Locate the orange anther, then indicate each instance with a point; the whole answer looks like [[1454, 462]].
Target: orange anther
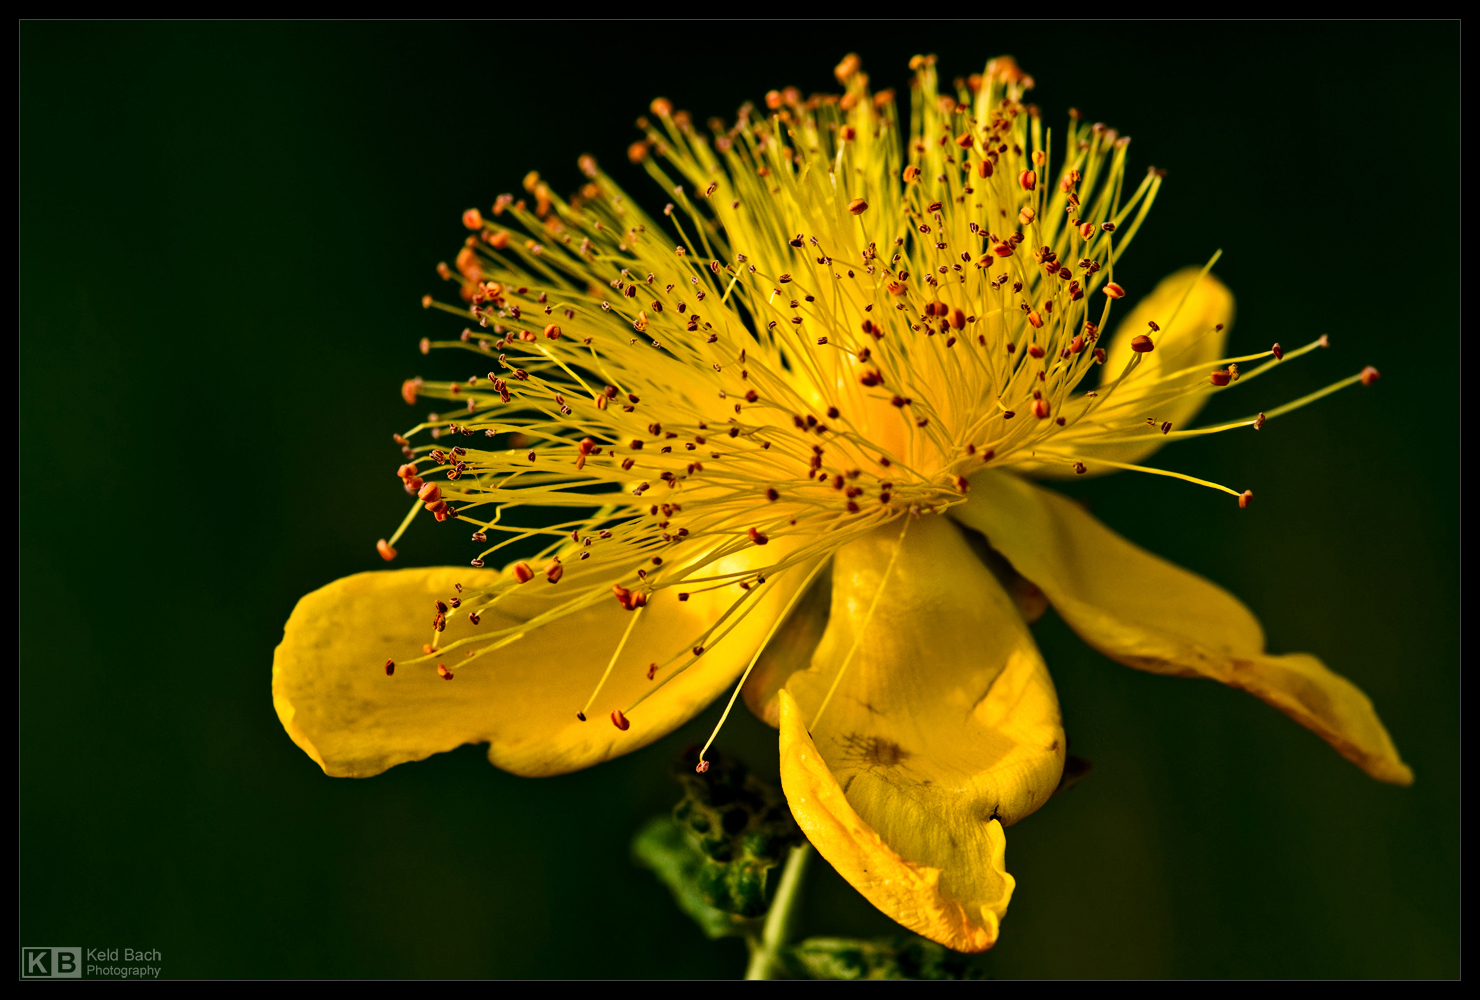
[[522, 572], [1370, 375], [386, 552], [1002, 249], [757, 537], [467, 264], [425, 346], [661, 106], [443, 672], [1087, 230], [1245, 498], [554, 572], [964, 140], [618, 719], [430, 493], [629, 599], [911, 173], [1028, 179], [1142, 344], [473, 219], [1114, 291], [850, 65], [407, 472], [1040, 408], [958, 319], [426, 302], [984, 168], [552, 332], [773, 99], [637, 152], [1220, 377], [1035, 319], [1026, 216], [848, 133], [857, 206]]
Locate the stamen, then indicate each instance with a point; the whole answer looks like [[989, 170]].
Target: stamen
[[616, 653], [759, 649]]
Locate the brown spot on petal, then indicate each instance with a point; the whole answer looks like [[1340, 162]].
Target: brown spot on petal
[[874, 751]]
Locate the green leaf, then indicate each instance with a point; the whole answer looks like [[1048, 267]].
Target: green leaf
[[906, 957]]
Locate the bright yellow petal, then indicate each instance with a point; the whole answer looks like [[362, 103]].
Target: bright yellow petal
[[1143, 611], [336, 702], [943, 728], [1192, 338]]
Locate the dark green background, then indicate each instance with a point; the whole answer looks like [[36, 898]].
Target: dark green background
[[224, 232]]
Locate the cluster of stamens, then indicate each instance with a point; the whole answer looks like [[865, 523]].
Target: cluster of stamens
[[833, 327]]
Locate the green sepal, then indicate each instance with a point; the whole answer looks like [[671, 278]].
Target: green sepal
[[666, 848], [904, 957], [741, 825]]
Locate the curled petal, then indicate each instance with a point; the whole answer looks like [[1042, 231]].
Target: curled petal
[[942, 728], [909, 893], [1141, 610]]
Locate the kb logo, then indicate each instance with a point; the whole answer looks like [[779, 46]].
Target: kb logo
[[51, 963]]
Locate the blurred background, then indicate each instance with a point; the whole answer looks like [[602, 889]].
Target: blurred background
[[225, 231]]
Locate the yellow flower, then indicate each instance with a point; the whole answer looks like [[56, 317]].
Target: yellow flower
[[777, 444]]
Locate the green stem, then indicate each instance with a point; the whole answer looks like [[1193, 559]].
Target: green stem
[[779, 918]]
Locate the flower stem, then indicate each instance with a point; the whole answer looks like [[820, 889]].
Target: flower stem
[[779, 918]]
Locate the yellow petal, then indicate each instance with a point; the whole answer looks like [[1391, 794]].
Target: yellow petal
[[1141, 610], [943, 728], [336, 702], [1192, 338]]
